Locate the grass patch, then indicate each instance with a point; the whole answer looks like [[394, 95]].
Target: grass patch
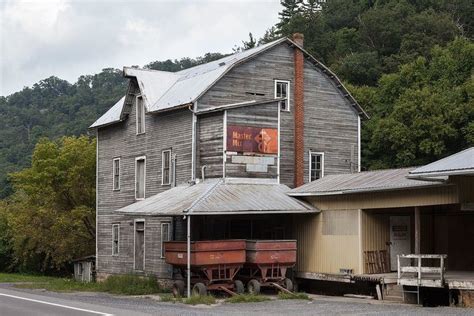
[[20, 277], [170, 298], [247, 298], [116, 284], [130, 285], [294, 296], [197, 299]]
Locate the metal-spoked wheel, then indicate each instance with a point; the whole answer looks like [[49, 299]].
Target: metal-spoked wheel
[[239, 287], [288, 284], [178, 288], [199, 289], [253, 287]]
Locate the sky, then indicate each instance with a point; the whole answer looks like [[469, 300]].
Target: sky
[[69, 38]]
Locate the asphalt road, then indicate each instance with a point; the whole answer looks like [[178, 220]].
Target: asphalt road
[[19, 302]]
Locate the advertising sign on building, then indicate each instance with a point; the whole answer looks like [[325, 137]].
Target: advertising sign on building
[[252, 139]]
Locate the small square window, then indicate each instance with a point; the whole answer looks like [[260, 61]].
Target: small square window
[[282, 90], [316, 166]]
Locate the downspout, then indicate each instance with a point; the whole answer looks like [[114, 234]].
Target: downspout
[[173, 161], [96, 199], [188, 256], [193, 145]]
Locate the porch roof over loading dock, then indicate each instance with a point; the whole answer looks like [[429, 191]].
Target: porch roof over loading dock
[[220, 197]]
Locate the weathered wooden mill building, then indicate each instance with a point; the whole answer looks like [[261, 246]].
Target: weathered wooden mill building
[[221, 143]]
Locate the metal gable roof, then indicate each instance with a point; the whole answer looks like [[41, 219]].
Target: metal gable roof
[[461, 163], [366, 181], [216, 197], [113, 115], [166, 90]]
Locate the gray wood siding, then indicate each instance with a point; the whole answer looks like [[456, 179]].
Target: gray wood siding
[[258, 75], [259, 115], [171, 130], [123, 262], [210, 145], [330, 124]]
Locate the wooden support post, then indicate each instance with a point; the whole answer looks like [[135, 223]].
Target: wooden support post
[[417, 231]]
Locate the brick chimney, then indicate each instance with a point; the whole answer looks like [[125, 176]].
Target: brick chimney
[[298, 107]]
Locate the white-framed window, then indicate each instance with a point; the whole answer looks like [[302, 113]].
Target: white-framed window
[[316, 165], [165, 236], [166, 167], [116, 174], [282, 90], [115, 239], [140, 115], [140, 177]]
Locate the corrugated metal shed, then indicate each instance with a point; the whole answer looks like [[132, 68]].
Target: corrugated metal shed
[[166, 90], [367, 181], [461, 163], [216, 197]]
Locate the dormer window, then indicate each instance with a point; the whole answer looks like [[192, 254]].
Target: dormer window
[[282, 90], [140, 116]]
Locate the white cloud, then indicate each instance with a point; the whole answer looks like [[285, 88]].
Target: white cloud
[[68, 38]]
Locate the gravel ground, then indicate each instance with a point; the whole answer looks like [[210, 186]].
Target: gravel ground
[[320, 305]]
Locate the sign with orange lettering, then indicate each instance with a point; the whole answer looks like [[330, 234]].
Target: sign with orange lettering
[[252, 139]]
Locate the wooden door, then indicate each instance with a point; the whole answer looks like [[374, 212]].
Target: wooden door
[[400, 238], [139, 246]]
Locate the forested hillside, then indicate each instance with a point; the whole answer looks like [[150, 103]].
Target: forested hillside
[[409, 63]]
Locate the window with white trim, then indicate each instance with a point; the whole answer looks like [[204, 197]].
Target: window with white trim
[[115, 239], [165, 236], [116, 174], [140, 174], [140, 114], [166, 167], [282, 90], [316, 166]]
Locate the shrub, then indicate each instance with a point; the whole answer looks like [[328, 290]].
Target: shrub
[[130, 285]]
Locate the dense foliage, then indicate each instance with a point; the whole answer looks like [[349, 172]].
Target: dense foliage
[[409, 63], [50, 219], [51, 108]]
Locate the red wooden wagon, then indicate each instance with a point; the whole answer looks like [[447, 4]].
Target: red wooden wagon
[[214, 265], [267, 262]]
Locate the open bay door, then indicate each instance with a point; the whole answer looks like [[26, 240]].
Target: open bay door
[[400, 238]]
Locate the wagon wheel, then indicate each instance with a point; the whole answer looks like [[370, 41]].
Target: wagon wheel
[[253, 287], [288, 284], [199, 289], [178, 288], [239, 287]]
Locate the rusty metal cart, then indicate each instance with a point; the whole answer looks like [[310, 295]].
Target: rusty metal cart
[[214, 265], [266, 264]]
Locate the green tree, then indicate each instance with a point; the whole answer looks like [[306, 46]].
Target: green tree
[[52, 210], [432, 108]]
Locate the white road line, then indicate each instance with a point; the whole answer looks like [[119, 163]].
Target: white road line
[[54, 304]]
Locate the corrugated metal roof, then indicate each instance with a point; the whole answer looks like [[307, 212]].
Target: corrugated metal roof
[[367, 181], [111, 116], [215, 197], [166, 90], [457, 164]]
